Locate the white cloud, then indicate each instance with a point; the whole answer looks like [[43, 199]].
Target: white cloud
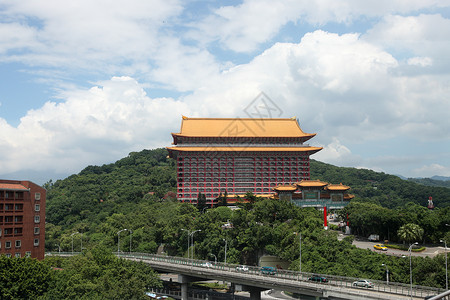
[[84, 34], [431, 170], [243, 27], [417, 36], [101, 124], [420, 61]]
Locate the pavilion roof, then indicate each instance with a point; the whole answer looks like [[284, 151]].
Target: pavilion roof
[[242, 127], [312, 183], [337, 187], [285, 188]]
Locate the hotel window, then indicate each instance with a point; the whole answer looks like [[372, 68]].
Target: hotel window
[[37, 219], [36, 230], [17, 255], [18, 244], [37, 207], [36, 242], [37, 196], [7, 244], [28, 254], [8, 255]]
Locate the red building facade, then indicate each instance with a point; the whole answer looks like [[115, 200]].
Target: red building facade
[[237, 156], [22, 219]]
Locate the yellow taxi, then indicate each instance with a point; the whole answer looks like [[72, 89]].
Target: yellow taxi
[[380, 247]]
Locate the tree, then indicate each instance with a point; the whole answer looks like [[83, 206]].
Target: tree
[[23, 278], [410, 232], [201, 201]]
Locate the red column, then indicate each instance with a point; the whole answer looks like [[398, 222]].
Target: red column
[[325, 216]]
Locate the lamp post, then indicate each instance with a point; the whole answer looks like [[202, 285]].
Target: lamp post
[[226, 244], [300, 255], [118, 240], [215, 258], [192, 234], [188, 239], [410, 267], [387, 273], [446, 270], [131, 235], [72, 239]]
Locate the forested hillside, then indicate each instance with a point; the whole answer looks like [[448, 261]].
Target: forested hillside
[[387, 190], [134, 193]]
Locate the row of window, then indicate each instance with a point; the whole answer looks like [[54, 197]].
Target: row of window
[[16, 231], [257, 164], [18, 244], [17, 207], [230, 158], [17, 195], [17, 254]]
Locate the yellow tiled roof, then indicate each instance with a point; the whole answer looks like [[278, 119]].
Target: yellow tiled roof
[[241, 127], [312, 183], [337, 187], [246, 149], [287, 187]]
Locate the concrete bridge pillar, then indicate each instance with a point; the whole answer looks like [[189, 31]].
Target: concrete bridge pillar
[[255, 293], [184, 291], [184, 281]]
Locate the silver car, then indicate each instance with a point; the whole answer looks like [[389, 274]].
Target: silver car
[[363, 283]]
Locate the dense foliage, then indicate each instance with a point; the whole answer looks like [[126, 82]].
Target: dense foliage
[[135, 193], [96, 274], [386, 190]]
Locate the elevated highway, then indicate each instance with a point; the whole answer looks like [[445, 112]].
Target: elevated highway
[[254, 281]]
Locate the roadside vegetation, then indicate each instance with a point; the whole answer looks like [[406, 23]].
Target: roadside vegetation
[[137, 193]]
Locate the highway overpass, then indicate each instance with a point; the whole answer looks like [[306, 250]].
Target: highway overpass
[[338, 287]]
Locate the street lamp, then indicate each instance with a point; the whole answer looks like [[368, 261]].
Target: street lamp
[[72, 239], [300, 255], [118, 240], [192, 234], [131, 235], [215, 258], [226, 244], [187, 242], [387, 274], [446, 270], [410, 267]]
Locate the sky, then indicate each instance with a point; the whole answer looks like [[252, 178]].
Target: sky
[[87, 82]]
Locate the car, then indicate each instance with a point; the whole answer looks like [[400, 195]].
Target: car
[[380, 247], [363, 283], [268, 271], [207, 265], [318, 278], [242, 268]]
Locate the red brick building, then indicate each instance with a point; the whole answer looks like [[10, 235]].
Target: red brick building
[[22, 219], [237, 155]]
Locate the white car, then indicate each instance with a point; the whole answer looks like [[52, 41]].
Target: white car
[[363, 283], [242, 268], [207, 265]]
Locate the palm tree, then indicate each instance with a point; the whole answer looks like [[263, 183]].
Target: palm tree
[[410, 233]]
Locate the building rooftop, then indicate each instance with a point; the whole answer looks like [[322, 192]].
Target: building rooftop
[[12, 187], [241, 127], [312, 183]]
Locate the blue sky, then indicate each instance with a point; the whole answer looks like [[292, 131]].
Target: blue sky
[[87, 82]]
